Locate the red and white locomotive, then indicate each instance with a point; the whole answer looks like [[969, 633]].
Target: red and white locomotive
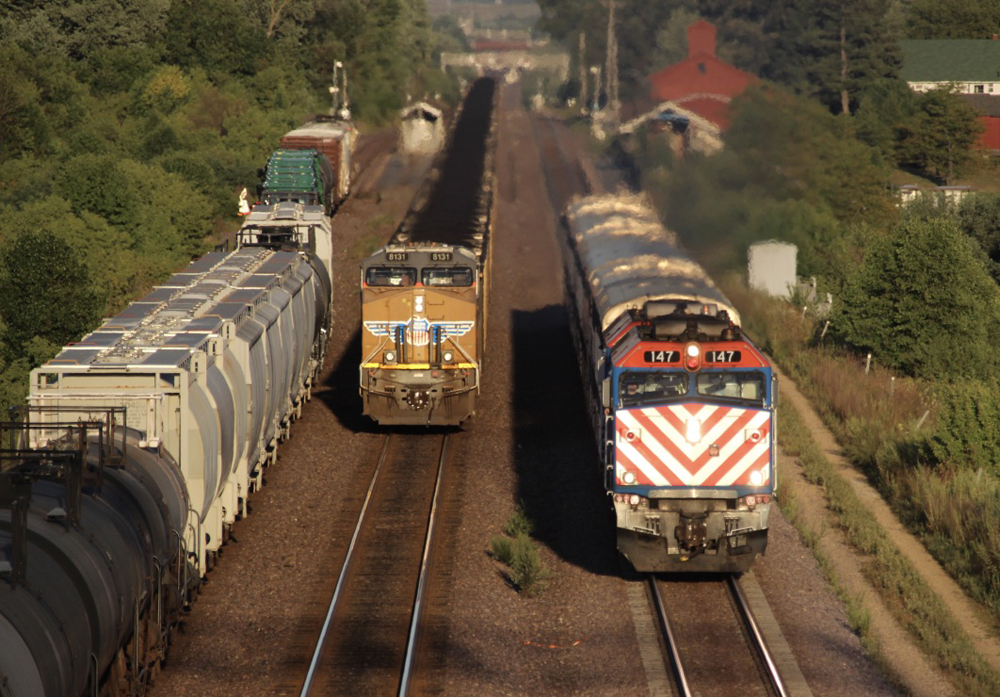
[[681, 402]]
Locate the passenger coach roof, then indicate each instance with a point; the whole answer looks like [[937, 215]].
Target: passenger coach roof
[[629, 258]]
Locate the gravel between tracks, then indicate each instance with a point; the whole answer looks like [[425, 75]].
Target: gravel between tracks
[[531, 443]]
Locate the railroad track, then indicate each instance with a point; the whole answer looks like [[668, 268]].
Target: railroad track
[[370, 639], [709, 650]]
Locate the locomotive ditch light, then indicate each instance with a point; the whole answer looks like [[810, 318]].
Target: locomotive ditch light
[[692, 357], [628, 477], [448, 356], [389, 356], [756, 478]]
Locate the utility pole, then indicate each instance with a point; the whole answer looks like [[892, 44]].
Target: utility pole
[[612, 66], [334, 89]]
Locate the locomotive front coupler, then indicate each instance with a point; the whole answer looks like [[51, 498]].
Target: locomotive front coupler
[[691, 533]]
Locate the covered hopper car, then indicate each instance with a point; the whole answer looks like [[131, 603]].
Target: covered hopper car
[[137, 451], [681, 401], [424, 295]]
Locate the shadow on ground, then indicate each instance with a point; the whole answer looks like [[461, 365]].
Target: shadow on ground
[[555, 457]]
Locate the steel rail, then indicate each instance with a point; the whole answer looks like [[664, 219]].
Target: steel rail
[[314, 664], [411, 642], [757, 637], [676, 665]]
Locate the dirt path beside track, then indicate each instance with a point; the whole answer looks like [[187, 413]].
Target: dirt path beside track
[[902, 656]]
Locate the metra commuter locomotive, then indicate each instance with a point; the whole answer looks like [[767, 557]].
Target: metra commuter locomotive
[[681, 402], [424, 295], [139, 447]]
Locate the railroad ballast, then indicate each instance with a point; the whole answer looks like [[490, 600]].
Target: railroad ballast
[[681, 401]]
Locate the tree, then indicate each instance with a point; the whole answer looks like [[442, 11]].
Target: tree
[[979, 217], [939, 139], [44, 292], [923, 303], [952, 19]]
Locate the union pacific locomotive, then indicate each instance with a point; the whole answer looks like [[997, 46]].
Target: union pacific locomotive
[[682, 403], [424, 295], [139, 447]]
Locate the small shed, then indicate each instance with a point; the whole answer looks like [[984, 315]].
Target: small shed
[[772, 267], [421, 130]]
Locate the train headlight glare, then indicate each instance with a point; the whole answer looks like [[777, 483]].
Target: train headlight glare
[[628, 477], [756, 478], [692, 431], [448, 356], [418, 303], [634, 499], [390, 356], [693, 350]]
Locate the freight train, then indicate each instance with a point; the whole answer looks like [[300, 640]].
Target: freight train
[[681, 402], [139, 447], [424, 295]]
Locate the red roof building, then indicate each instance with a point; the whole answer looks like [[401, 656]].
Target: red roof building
[[701, 83]]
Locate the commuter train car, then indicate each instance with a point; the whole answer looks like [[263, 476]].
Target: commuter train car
[[137, 451], [682, 403], [424, 295]]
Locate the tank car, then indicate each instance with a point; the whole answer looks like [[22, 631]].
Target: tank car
[[140, 445], [681, 401], [424, 295]]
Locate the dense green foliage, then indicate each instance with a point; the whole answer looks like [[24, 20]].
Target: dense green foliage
[[790, 171], [923, 302], [940, 136], [127, 129]]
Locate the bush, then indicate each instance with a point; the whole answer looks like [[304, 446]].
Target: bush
[[967, 435], [518, 551], [916, 293]]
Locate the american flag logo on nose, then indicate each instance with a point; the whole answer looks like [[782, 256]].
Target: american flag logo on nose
[[418, 329], [418, 332]]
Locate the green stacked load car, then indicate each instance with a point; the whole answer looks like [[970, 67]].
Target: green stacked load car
[[302, 176]]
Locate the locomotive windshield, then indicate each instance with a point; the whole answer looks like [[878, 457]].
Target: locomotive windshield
[[453, 276], [650, 387], [743, 386], [390, 276]]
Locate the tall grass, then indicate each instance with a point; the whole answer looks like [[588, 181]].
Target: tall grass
[[886, 425]]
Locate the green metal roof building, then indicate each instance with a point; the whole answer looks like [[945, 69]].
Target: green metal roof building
[[972, 64]]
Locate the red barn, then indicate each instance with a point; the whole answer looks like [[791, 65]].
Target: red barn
[[701, 83], [988, 106]]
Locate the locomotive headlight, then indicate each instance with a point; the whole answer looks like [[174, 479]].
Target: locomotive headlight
[[390, 356], [628, 477], [448, 356], [692, 431], [692, 357], [756, 478], [418, 303]]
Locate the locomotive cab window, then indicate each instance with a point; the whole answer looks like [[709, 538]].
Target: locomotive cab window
[[456, 276], [746, 386], [650, 387], [390, 276]]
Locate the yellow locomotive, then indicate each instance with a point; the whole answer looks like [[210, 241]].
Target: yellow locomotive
[[422, 333], [423, 296]]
